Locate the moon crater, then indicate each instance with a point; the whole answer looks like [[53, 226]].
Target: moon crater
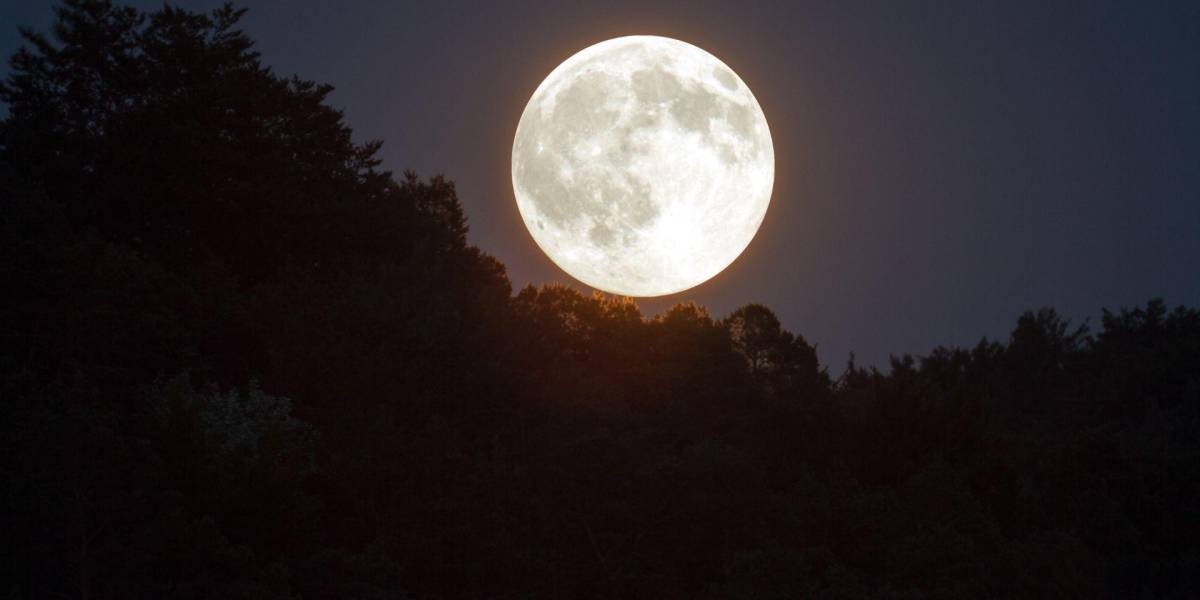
[[642, 166]]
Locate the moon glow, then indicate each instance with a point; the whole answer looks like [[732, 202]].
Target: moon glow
[[643, 166]]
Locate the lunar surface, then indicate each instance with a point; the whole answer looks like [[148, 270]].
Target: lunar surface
[[643, 166]]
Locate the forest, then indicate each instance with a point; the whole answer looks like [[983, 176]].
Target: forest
[[242, 360]]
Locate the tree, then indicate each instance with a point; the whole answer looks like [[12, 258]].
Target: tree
[[169, 145], [164, 132], [1042, 356], [172, 206], [756, 334], [773, 353]]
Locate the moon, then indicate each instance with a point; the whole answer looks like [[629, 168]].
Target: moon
[[643, 166]]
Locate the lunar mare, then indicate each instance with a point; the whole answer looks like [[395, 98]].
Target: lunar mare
[[643, 166]]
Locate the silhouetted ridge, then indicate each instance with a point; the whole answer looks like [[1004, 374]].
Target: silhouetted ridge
[[242, 361]]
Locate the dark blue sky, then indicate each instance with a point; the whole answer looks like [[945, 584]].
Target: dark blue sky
[[940, 166]]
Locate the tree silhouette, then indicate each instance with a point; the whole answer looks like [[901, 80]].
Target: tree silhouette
[[242, 360], [771, 352]]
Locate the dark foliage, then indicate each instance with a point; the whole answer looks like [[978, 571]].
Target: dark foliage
[[241, 361]]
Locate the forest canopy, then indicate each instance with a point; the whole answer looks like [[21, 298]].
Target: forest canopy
[[242, 360]]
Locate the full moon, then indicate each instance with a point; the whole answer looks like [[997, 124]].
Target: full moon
[[643, 166]]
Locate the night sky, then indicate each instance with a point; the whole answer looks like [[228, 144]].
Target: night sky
[[940, 167]]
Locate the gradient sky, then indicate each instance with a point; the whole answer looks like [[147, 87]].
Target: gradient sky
[[941, 167]]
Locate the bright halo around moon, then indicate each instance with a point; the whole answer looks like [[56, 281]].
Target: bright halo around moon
[[643, 166]]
